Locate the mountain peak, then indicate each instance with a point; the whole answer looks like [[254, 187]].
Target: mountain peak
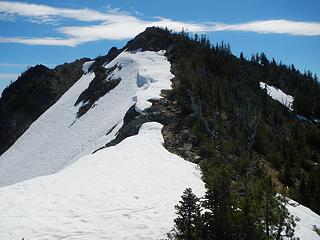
[[113, 149], [152, 39]]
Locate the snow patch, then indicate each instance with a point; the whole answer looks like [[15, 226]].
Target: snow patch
[[278, 95], [307, 220], [86, 66], [127, 191], [151, 71], [303, 119], [58, 138]]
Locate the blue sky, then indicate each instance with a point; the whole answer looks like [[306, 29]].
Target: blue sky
[[53, 32]]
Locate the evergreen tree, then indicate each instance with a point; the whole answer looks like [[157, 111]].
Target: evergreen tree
[[187, 224], [218, 201], [263, 59], [283, 222], [242, 58], [275, 218], [249, 219], [316, 194]]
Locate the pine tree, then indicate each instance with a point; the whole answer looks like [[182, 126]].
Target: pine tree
[[263, 59], [315, 201], [275, 217], [218, 201], [249, 219], [242, 58], [187, 224], [283, 222]]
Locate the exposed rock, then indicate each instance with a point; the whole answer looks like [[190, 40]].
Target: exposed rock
[[101, 84], [168, 112], [101, 60], [98, 87]]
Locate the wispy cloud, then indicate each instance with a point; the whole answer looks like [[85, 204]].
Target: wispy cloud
[[118, 25], [24, 65], [13, 65], [8, 76], [48, 41], [45, 14], [280, 26]]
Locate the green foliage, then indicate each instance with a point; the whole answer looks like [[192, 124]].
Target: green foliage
[[219, 203], [259, 214], [239, 127], [238, 123], [277, 221], [188, 222]]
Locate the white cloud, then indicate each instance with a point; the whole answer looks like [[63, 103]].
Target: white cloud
[[12, 65], [117, 25], [24, 65], [280, 26], [123, 28], [8, 76], [45, 13], [48, 41]]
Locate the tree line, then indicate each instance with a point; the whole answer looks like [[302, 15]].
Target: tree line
[[259, 213]]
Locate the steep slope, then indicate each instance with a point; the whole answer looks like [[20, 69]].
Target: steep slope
[[123, 192], [32, 94], [306, 221], [59, 137]]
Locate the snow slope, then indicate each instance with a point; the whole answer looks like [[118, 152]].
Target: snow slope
[[307, 219], [278, 95], [123, 192], [58, 138]]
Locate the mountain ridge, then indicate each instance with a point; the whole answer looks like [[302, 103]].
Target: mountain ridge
[[216, 115]]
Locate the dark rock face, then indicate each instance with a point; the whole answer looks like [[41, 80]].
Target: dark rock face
[[100, 60], [32, 94], [98, 87], [102, 82], [176, 117], [131, 124]]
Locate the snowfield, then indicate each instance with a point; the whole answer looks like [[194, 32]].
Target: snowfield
[[307, 220], [278, 95], [57, 138], [123, 192]]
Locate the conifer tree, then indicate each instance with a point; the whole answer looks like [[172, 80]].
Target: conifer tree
[[218, 201], [249, 219], [241, 58], [275, 218], [187, 224]]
